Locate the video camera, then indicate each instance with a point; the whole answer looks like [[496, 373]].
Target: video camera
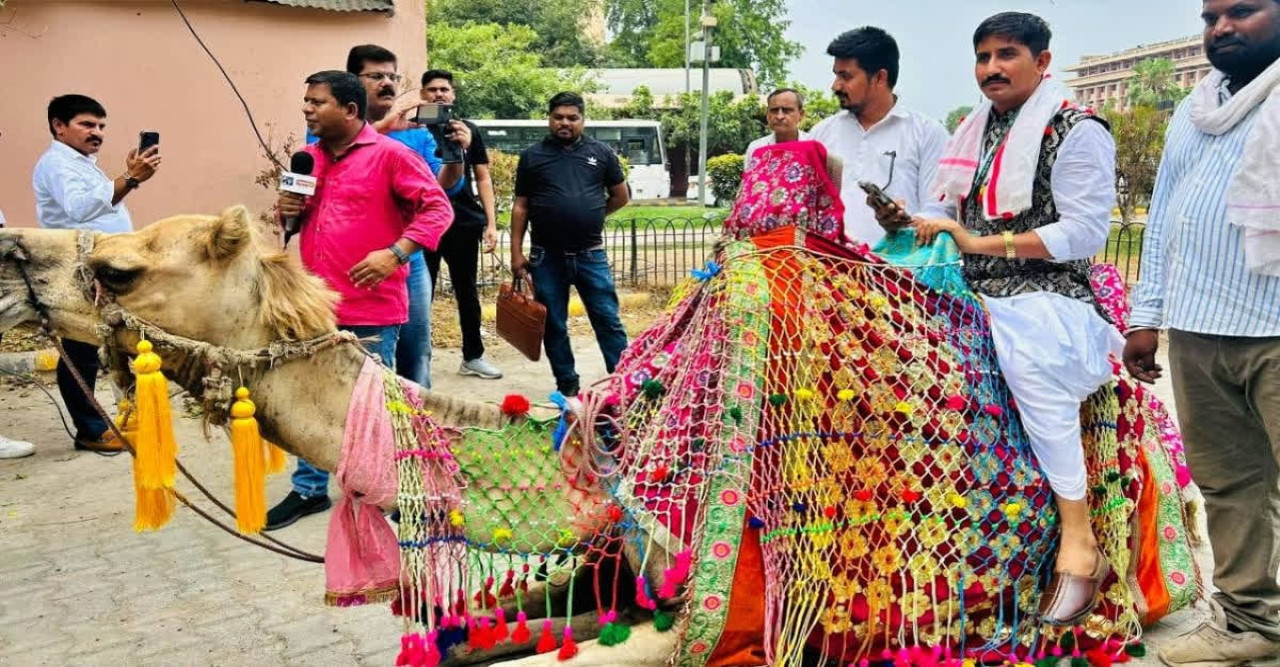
[[436, 118]]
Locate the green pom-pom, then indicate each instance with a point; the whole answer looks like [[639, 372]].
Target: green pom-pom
[[614, 633], [1136, 650], [699, 443], [1047, 662], [735, 413], [1100, 489], [1067, 642], [778, 400], [653, 389], [663, 621], [1113, 476], [1080, 662]]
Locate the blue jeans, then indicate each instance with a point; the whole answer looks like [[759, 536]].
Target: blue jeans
[[413, 351], [553, 273], [308, 480]]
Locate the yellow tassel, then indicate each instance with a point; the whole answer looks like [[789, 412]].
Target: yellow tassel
[[156, 451], [250, 462], [152, 507], [275, 458]]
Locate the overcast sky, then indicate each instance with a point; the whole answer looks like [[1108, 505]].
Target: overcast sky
[[935, 37]]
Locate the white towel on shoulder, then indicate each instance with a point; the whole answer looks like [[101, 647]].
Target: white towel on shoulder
[[1253, 197], [1012, 175]]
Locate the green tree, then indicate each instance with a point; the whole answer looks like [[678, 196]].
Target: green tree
[[501, 74], [1139, 136], [957, 116], [818, 104], [560, 26], [1153, 84], [750, 34]]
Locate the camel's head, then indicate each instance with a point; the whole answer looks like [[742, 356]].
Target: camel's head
[[208, 278]]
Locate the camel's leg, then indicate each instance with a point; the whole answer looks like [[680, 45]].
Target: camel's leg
[[645, 648], [585, 627]]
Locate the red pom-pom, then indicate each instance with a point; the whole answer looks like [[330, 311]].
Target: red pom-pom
[[546, 642], [911, 496], [515, 405], [570, 648], [956, 403], [500, 631], [862, 494], [521, 634]]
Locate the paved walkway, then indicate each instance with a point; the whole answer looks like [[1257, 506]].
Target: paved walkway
[[79, 587]]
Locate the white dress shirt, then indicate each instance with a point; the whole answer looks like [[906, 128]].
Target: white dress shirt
[[72, 192], [916, 139], [1194, 276], [767, 140]]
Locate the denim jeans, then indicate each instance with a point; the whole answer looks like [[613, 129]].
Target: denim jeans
[[308, 480], [413, 351], [89, 425], [553, 273]]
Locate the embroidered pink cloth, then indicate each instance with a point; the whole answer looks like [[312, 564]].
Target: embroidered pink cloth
[[362, 558]]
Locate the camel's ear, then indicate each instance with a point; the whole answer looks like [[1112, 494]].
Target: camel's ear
[[229, 234]]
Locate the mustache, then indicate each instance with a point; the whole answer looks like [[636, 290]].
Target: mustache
[[387, 92], [1226, 41], [995, 78]]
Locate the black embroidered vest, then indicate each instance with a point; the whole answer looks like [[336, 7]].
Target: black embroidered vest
[[1000, 277]]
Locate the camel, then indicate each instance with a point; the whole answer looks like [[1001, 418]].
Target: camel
[[215, 281], [251, 297]]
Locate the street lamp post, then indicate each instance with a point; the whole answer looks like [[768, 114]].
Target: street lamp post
[[708, 23]]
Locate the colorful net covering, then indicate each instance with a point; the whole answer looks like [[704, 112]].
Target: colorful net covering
[[812, 451]]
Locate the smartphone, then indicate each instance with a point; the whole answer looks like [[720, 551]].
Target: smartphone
[[434, 115], [147, 140], [877, 194]]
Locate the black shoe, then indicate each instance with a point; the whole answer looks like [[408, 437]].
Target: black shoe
[[294, 507], [569, 390]]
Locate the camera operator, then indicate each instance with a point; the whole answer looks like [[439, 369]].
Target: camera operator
[[474, 221]]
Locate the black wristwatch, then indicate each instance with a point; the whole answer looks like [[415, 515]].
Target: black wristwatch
[[401, 256], [131, 182]]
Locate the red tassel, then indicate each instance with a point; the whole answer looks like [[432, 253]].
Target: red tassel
[[406, 650], [546, 642], [485, 598], [642, 595], [570, 648], [521, 634], [674, 576], [473, 636], [508, 586], [487, 638], [460, 605], [1098, 658], [500, 631], [431, 655]]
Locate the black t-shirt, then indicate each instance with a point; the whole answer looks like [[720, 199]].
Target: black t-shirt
[[566, 191], [468, 211]]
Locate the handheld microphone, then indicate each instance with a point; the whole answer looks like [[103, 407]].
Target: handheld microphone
[[297, 180]]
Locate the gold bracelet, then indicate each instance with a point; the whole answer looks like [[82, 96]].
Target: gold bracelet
[[1010, 252]]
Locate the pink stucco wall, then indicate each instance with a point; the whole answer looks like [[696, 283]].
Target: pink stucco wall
[[137, 59]]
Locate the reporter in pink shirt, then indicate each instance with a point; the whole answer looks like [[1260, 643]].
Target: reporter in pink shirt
[[376, 203]]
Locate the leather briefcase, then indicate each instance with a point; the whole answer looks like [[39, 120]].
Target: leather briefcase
[[521, 320]]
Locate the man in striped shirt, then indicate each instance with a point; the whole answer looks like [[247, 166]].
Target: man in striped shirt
[[1224, 332]]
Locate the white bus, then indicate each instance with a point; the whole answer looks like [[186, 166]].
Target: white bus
[[640, 141]]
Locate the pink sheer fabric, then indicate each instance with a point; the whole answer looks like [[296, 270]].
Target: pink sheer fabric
[[362, 558]]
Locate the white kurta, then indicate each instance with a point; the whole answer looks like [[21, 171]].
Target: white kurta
[[1052, 349]]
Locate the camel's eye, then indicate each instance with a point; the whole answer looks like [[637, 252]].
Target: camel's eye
[[115, 279]]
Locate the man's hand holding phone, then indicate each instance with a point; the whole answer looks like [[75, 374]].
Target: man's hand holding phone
[[890, 214]]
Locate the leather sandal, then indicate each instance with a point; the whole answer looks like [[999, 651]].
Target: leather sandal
[[1070, 598]]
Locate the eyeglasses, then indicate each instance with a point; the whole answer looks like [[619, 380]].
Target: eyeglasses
[[383, 76]]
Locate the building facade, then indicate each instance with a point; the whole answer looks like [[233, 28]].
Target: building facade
[[1100, 80], [137, 58]]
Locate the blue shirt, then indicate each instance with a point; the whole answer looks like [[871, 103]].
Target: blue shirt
[[1193, 266], [420, 140]]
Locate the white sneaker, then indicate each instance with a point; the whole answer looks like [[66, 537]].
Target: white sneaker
[[480, 368], [15, 449]]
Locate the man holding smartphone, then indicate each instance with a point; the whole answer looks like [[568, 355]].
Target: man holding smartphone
[[474, 222], [72, 192]]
